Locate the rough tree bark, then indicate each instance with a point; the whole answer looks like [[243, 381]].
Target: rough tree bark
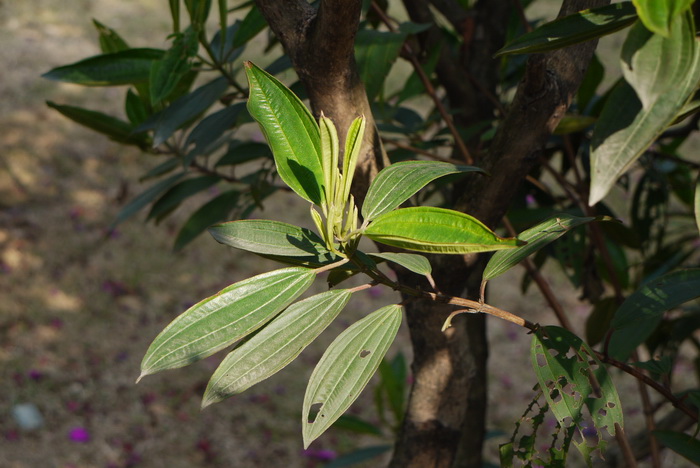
[[444, 423]]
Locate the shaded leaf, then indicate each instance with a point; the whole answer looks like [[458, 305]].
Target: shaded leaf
[[118, 68], [357, 425], [345, 369], [290, 130], [661, 366], [436, 230], [536, 237], [269, 237], [416, 263], [135, 108], [167, 72], [697, 202], [643, 310], [212, 212], [179, 193], [658, 15], [253, 23], [400, 181], [683, 444], [275, 346], [220, 320], [110, 40], [375, 53], [358, 456], [212, 127], [146, 197], [630, 123], [578, 27], [239, 152]]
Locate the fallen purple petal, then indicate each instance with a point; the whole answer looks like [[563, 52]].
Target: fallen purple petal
[[79, 435], [320, 455]]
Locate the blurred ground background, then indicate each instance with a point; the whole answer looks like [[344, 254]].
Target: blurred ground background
[[78, 307]]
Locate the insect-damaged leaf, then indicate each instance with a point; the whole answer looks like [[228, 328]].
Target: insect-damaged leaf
[[220, 320], [345, 369], [436, 230], [276, 345], [573, 379]]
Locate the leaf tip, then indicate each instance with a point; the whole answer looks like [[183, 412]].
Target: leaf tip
[[143, 374]]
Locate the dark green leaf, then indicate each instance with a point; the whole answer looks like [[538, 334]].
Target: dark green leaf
[[641, 313], [685, 445], [397, 183], [435, 230], [290, 130], [167, 72], [179, 193], [589, 85], [697, 202], [578, 27], [275, 346], [136, 110], [212, 127], [163, 168], [357, 425], [110, 40], [146, 197], [239, 152], [416, 263], [658, 15], [226, 52], [376, 52], [345, 369], [358, 456], [220, 320], [212, 212], [598, 322], [253, 23], [661, 366], [118, 68]]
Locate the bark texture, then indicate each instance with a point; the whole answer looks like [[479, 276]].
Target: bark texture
[[444, 423]]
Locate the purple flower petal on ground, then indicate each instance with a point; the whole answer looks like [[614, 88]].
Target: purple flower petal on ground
[[321, 455], [35, 374], [79, 435]]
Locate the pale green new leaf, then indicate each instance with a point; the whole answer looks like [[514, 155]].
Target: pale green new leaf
[[263, 236], [290, 130], [276, 345], [397, 183], [330, 150], [345, 369], [658, 15], [353, 145], [578, 27], [416, 263], [536, 237], [629, 124], [436, 230], [643, 310], [220, 320], [572, 379]]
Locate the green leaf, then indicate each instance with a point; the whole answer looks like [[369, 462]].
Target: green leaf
[[393, 385], [212, 212], [146, 197], [135, 108], [643, 310], [663, 365], [253, 23], [573, 29], [416, 263], [697, 202], [179, 193], [167, 72], [345, 369], [290, 130], [573, 379], [683, 444], [275, 346], [114, 128], [359, 456], [375, 53], [357, 425], [630, 122], [118, 68], [220, 320], [536, 237], [110, 40], [269, 237], [436, 230], [239, 152], [658, 15], [212, 127], [397, 183], [183, 110]]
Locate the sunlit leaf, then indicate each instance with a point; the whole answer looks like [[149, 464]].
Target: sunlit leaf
[[578, 27], [397, 183], [118, 68], [643, 310], [630, 122], [376, 52], [658, 15], [220, 320], [269, 237], [275, 346], [573, 380], [536, 237], [436, 230], [290, 130], [416, 263], [345, 369], [683, 444], [212, 212]]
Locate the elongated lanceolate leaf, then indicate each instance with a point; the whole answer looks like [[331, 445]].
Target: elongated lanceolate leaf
[[213, 211], [290, 130], [658, 15], [630, 122], [118, 68], [222, 319], [572, 379], [110, 40], [268, 237], [641, 313], [436, 230], [167, 72], [275, 346], [400, 181], [697, 202], [179, 193], [147, 196], [578, 27], [375, 53], [345, 369], [683, 444], [536, 237], [416, 263]]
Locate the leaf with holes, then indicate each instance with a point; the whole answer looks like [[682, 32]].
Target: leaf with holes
[[573, 379], [222, 319], [400, 181], [276, 345], [345, 369], [436, 230]]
